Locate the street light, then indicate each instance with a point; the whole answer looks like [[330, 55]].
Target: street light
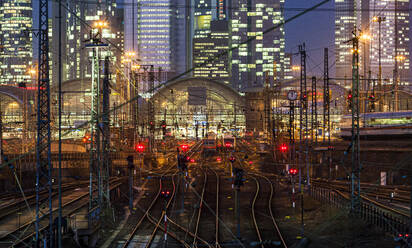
[[100, 24], [379, 20], [400, 58]]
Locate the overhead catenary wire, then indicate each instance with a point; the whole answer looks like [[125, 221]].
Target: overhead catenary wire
[[180, 75]]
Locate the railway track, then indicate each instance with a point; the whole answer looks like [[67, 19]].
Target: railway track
[[259, 196], [149, 214], [21, 203], [269, 208], [20, 235]]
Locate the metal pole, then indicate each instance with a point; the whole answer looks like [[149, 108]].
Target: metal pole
[[1, 136], [356, 166], [304, 149], [43, 150], [106, 162], [314, 112], [59, 227], [237, 206], [131, 167], [380, 88]]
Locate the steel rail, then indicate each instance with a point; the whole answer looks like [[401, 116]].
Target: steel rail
[[253, 212], [194, 243], [131, 235], [271, 212], [149, 242], [72, 211]]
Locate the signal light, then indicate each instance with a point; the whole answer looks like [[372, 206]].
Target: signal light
[[293, 171], [350, 95], [228, 145], [250, 162], [165, 194], [86, 139], [184, 147], [218, 159], [192, 160], [139, 148], [283, 148]]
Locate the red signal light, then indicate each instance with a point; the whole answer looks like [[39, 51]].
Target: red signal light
[[228, 145], [86, 139], [283, 148], [192, 160], [250, 162], [139, 148], [218, 159], [349, 96], [293, 171], [184, 147]]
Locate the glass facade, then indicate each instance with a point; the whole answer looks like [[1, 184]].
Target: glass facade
[[392, 44], [265, 54], [351, 14], [207, 46], [15, 41]]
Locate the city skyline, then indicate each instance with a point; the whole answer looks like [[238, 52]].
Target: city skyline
[[322, 18]]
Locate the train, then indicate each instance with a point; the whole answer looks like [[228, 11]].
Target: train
[[229, 142], [379, 125], [209, 144]]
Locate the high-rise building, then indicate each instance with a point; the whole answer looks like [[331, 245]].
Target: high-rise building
[[15, 41], [156, 31], [207, 45], [394, 36], [252, 61], [347, 19], [288, 73], [362, 16], [76, 58]]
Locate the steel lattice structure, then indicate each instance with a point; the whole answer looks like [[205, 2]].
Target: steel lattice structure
[[355, 142], [314, 112], [303, 118], [43, 152], [326, 108], [106, 162]]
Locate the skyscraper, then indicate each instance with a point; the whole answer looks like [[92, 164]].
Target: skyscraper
[[347, 19], [15, 41], [394, 36], [251, 61], [360, 15], [76, 58], [158, 30], [207, 47]]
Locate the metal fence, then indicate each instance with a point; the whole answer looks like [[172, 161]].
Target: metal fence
[[386, 220]]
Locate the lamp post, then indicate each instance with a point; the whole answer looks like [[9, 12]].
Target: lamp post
[[365, 38], [95, 42], [396, 79], [379, 20], [131, 88]]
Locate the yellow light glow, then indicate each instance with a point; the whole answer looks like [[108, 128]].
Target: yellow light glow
[[295, 68], [135, 67], [365, 37], [100, 24], [130, 54], [400, 58], [375, 19], [32, 71]]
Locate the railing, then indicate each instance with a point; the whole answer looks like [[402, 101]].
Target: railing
[[384, 219]]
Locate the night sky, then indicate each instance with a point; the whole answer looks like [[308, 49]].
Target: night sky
[[316, 29]]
